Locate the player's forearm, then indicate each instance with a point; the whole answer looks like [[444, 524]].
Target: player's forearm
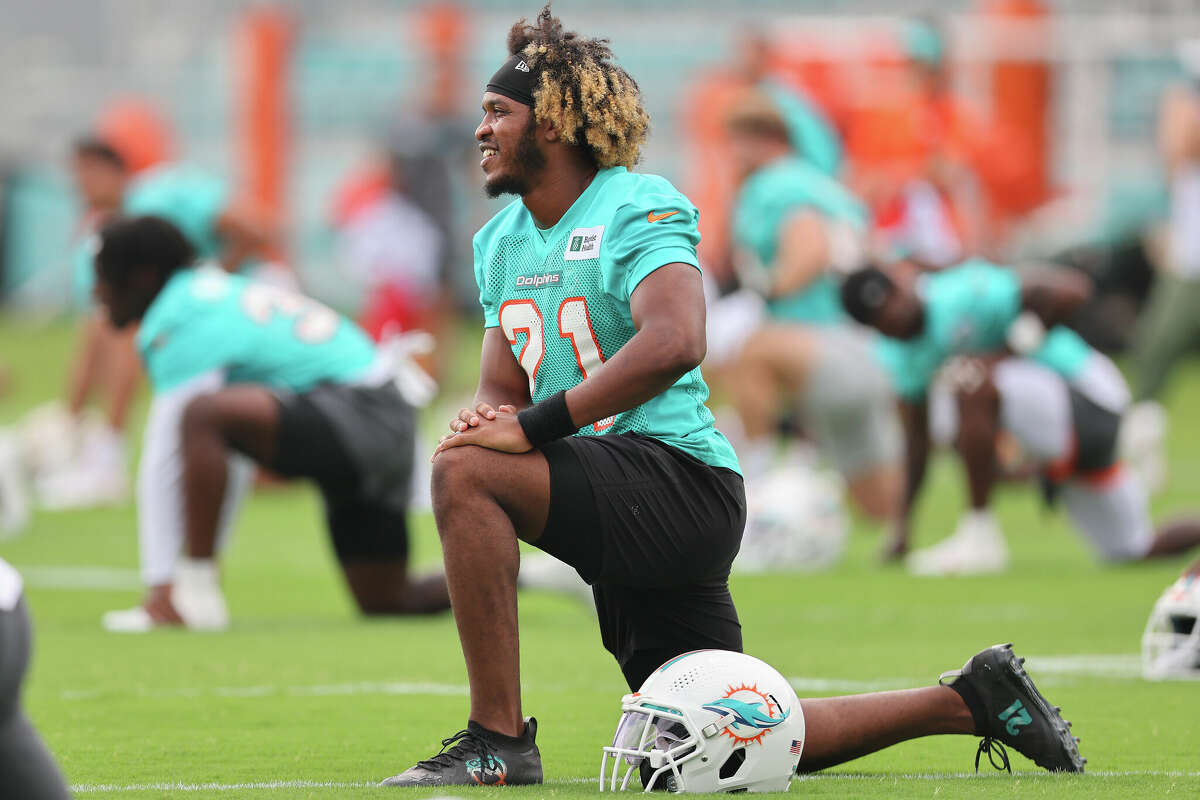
[[499, 394], [803, 255], [243, 237], [649, 364], [916, 457], [1055, 296], [83, 371]]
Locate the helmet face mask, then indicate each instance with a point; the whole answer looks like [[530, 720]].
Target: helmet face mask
[[1171, 643], [707, 721], [648, 735]]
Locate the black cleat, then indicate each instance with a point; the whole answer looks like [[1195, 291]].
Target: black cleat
[[1016, 714], [476, 756]]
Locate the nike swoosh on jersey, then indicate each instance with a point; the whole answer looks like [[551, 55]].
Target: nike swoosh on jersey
[[652, 217]]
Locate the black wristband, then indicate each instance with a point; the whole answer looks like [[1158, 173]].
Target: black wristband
[[547, 421]]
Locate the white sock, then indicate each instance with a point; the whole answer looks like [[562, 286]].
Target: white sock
[[196, 594]]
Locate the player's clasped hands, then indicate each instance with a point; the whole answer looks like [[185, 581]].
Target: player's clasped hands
[[484, 426]]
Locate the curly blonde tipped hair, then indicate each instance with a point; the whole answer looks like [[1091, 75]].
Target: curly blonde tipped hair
[[580, 90]]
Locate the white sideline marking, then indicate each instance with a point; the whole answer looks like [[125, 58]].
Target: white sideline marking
[[805, 684], [1108, 665], [1097, 666], [326, 690], [103, 788], [81, 578], [109, 788], [997, 775], [1124, 666]]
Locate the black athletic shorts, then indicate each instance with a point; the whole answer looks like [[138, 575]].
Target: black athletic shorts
[[356, 443], [654, 531], [1096, 431]]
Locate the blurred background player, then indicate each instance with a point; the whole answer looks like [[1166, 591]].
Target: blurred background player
[[1170, 326], [246, 370], [711, 175], [1067, 433], [27, 770], [794, 228], [982, 309], [125, 167]]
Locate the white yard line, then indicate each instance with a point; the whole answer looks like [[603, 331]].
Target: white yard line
[[111, 788], [806, 684], [938, 776], [1124, 666], [81, 578], [108, 788], [321, 690]]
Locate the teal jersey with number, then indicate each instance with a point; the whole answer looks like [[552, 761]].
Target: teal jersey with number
[[561, 298], [768, 200], [205, 319], [967, 311]]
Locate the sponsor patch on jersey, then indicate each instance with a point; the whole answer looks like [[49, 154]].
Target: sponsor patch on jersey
[[538, 280], [584, 243]]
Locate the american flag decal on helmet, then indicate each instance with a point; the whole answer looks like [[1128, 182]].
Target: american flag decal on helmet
[[797, 746]]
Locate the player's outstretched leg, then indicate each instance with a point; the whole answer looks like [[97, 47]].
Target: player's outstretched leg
[[991, 697]]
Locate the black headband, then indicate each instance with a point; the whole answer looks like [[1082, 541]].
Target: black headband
[[514, 80]]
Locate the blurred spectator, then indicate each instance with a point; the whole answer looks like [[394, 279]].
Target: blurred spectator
[[392, 248], [937, 175], [402, 220]]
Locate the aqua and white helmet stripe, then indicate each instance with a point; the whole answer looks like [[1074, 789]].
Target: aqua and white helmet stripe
[[707, 721]]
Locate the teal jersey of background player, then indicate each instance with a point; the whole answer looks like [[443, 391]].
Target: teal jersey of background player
[[188, 198], [768, 199], [205, 319], [968, 309], [562, 296]]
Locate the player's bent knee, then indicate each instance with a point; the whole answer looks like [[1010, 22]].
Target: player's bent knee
[[459, 470], [202, 415]]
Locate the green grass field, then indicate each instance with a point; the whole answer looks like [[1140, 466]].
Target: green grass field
[[304, 699]]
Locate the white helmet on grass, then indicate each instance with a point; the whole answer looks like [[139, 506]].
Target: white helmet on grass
[[707, 721], [1171, 643]]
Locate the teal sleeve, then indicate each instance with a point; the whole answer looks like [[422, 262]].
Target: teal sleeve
[[910, 374], [491, 313], [988, 295], [656, 230]]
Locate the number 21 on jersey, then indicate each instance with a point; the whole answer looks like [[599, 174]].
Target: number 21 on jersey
[[574, 323]]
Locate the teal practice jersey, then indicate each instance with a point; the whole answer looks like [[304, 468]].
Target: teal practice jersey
[[562, 298], [188, 198], [968, 309], [768, 199], [205, 319]]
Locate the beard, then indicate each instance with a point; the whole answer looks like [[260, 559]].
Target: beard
[[527, 162]]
